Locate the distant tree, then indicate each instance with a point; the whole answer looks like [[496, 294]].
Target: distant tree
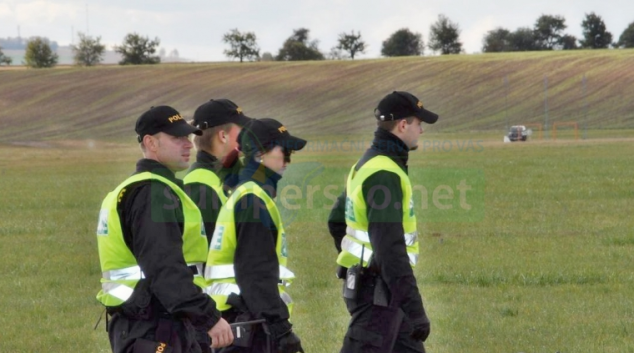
[[174, 54], [523, 39], [595, 34], [626, 40], [162, 53], [266, 56], [569, 42], [548, 31], [403, 43], [444, 36], [25, 41], [496, 40], [39, 54], [336, 54], [89, 51], [351, 43], [5, 59], [242, 45], [297, 47], [137, 50]]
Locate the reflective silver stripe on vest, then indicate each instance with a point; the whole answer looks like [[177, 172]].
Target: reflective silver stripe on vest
[[286, 298], [410, 238], [117, 290], [222, 289], [219, 272], [228, 288], [133, 272], [355, 248], [286, 274], [226, 271]]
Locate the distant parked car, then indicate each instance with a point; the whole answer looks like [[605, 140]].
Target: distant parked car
[[518, 133]]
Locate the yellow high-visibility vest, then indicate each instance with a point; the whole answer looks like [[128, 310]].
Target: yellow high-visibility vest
[[209, 178], [357, 239], [119, 267], [219, 270]]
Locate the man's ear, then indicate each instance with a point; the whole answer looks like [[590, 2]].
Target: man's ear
[[223, 136], [150, 142], [402, 123]]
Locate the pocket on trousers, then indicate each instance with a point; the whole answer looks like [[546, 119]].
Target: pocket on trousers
[[146, 346], [365, 337], [382, 319]]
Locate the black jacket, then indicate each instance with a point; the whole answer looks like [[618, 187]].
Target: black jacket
[[385, 227], [256, 264], [204, 196], [152, 224]]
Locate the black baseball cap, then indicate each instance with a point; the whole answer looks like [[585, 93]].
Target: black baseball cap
[[163, 119], [400, 105], [219, 112], [259, 135]]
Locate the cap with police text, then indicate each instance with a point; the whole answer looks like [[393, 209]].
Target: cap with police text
[[263, 134], [219, 112], [400, 105], [163, 119]]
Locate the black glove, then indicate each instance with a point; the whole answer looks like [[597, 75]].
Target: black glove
[[238, 304], [420, 329], [289, 343]]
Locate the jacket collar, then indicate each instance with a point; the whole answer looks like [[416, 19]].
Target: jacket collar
[[155, 167], [387, 144], [265, 178], [206, 160]]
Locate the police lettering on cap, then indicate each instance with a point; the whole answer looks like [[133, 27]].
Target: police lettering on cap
[[219, 112], [165, 119], [400, 105], [260, 135]]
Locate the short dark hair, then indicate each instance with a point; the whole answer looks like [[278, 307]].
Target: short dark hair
[[204, 141], [391, 124]]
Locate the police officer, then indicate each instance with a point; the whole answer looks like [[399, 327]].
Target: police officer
[[247, 264], [211, 176], [152, 247], [374, 229]]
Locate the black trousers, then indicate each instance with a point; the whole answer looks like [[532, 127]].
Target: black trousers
[[154, 335], [377, 329]]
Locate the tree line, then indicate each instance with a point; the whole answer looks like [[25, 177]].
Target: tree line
[[444, 38], [548, 34]]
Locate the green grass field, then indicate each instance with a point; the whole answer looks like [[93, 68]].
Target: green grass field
[[541, 263]]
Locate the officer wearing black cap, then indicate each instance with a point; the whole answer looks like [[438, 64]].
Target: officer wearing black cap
[[247, 267], [215, 171], [152, 248], [374, 229]]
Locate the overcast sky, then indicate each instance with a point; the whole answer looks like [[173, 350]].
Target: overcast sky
[[195, 27]]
